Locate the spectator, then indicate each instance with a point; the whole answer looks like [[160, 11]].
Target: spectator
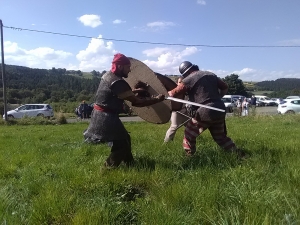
[[253, 101], [239, 106], [245, 105], [83, 110]]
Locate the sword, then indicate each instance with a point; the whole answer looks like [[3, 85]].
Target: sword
[[194, 103]]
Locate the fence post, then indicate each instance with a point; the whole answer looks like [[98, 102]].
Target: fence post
[[3, 72]]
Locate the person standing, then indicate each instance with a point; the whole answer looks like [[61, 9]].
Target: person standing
[[239, 106], [205, 88], [178, 118], [245, 107], [105, 125], [253, 101], [83, 109], [80, 111]]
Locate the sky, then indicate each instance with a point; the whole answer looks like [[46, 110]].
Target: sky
[[221, 36]]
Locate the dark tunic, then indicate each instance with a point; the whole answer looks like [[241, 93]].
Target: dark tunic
[[105, 126], [203, 89]]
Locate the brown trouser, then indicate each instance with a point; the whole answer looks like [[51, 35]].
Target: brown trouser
[[217, 130], [120, 151]]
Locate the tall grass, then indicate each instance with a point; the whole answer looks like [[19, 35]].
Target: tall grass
[[48, 175]]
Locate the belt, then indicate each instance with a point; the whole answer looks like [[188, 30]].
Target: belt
[[99, 108]]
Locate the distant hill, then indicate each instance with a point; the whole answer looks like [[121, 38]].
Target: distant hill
[[280, 88], [281, 84], [28, 85]]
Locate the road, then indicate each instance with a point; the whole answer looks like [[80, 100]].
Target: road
[[265, 110]]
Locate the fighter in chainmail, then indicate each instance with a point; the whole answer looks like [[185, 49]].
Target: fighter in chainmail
[[105, 125], [207, 89]]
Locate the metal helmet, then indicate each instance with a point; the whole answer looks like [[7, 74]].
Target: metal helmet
[[185, 66]]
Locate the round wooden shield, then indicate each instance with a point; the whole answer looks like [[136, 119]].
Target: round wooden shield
[[158, 113]]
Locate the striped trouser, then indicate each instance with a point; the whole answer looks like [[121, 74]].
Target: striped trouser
[[217, 130]]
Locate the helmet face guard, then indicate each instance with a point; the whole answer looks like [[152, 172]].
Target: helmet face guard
[[185, 67]]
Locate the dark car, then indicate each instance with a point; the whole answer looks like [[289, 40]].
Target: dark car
[[259, 103]]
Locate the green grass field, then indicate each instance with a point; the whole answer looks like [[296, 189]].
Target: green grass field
[[262, 92], [48, 175]]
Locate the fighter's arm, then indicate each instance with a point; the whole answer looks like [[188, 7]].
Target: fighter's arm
[[180, 89], [123, 91], [139, 102], [223, 87]]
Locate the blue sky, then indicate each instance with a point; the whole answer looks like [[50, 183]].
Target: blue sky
[[188, 23]]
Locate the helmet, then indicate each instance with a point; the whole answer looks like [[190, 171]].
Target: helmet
[[185, 66]]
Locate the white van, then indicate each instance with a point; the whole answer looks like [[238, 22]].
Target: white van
[[266, 100], [292, 97]]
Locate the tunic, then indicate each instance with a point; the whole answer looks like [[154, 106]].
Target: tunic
[[203, 89], [105, 126]]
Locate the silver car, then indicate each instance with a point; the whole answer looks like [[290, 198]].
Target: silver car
[[291, 106], [31, 110]]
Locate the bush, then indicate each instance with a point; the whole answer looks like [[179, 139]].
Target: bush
[[61, 119]]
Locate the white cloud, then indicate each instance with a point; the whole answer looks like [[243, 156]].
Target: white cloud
[[249, 74], [201, 2], [154, 52], [167, 59], [290, 42], [245, 71], [155, 26], [90, 20], [158, 26], [97, 56], [99, 53], [118, 21], [42, 57]]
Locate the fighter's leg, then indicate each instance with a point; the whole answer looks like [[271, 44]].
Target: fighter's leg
[[120, 151], [192, 130], [128, 157], [176, 120], [218, 132]]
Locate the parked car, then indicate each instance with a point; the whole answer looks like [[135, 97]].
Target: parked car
[[229, 103], [292, 97], [31, 110], [266, 100], [277, 100], [289, 106], [259, 103]]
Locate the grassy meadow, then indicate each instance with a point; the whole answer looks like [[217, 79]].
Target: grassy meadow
[[48, 175]]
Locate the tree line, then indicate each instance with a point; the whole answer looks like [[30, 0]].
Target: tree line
[[27, 85], [60, 87], [281, 88]]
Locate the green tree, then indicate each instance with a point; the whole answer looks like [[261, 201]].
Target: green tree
[[95, 73], [79, 73], [236, 86]]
